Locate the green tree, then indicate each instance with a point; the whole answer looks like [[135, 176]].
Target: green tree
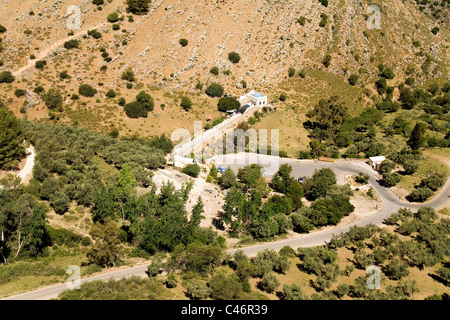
[[214, 90], [214, 70], [6, 77], [417, 137], [228, 179], [397, 269], [183, 42], [53, 99], [293, 292], [124, 190], [197, 289], [11, 138], [269, 282], [192, 170], [225, 287], [186, 103], [138, 7], [128, 75], [106, 250], [323, 181], [234, 57], [227, 103], [87, 90]]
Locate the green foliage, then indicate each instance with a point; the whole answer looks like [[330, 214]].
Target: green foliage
[[291, 71], [138, 7], [417, 138], [128, 75], [353, 79], [70, 44], [22, 224], [228, 179], [183, 42], [87, 90], [192, 170], [11, 139], [301, 20], [293, 292], [53, 99], [197, 289], [225, 287], [234, 57], [214, 70], [6, 77], [214, 90], [20, 93], [269, 282], [106, 250], [227, 103], [326, 61], [186, 103], [144, 103], [134, 288], [40, 64], [391, 179], [113, 17], [2, 29]]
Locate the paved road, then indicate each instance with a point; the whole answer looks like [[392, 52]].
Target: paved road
[[391, 203]]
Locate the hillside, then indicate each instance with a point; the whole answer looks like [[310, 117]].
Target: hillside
[[266, 34]]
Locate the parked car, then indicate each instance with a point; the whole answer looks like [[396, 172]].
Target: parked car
[[300, 179]]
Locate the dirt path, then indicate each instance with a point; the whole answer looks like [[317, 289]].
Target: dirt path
[[27, 172], [47, 50]]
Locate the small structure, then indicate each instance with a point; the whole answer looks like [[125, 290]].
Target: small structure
[[375, 162], [243, 108], [221, 169], [253, 98]]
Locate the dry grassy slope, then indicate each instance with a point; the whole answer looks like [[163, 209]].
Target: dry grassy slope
[[251, 27], [261, 31]]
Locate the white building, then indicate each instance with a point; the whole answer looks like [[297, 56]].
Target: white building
[[254, 98], [375, 162]]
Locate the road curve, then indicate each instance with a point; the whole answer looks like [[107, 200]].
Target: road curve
[[391, 203]]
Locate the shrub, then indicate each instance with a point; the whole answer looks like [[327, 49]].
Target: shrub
[[214, 90], [40, 64], [6, 77], [53, 99], [94, 33], [301, 20], [98, 2], [71, 44], [121, 102], [19, 93], [64, 75], [391, 179], [113, 17], [116, 26], [291, 72], [353, 79], [38, 89], [186, 103], [192, 170], [227, 103], [2, 29], [183, 42], [283, 97], [87, 90], [327, 60], [128, 75], [214, 71], [435, 30], [111, 94], [420, 194], [234, 57], [138, 7]]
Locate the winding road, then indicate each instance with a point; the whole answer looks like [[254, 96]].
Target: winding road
[[391, 203]]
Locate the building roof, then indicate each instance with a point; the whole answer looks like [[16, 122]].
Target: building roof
[[257, 95], [377, 158]]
